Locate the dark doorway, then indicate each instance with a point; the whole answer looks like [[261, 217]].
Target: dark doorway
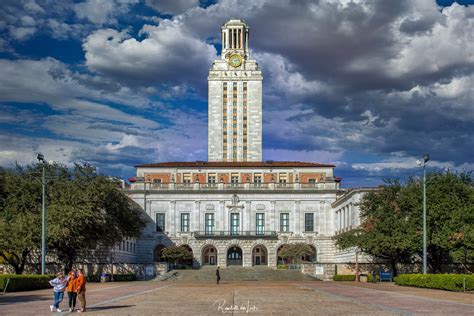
[[234, 256]]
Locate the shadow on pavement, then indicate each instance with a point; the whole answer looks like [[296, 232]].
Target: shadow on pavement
[[6, 299], [100, 308]]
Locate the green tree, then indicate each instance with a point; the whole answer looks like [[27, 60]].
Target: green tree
[[88, 211], [295, 252], [387, 231], [450, 217], [176, 254], [20, 207], [85, 211]]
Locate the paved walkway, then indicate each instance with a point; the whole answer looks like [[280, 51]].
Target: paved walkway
[[258, 298]]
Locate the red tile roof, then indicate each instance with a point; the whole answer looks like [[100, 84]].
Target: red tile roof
[[239, 164]]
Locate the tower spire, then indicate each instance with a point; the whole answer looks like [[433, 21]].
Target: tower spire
[[235, 38]]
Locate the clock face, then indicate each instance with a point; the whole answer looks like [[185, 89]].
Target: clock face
[[235, 60]]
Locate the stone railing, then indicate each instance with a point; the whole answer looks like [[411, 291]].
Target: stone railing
[[148, 186], [236, 234]]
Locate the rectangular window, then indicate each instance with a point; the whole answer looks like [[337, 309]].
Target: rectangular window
[[311, 180], [184, 222], [234, 179], [308, 222], [186, 178], [285, 222], [211, 178], [282, 178], [257, 179], [160, 222], [234, 223], [209, 223], [260, 222]]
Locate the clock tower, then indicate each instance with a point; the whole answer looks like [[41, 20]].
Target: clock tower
[[235, 99]]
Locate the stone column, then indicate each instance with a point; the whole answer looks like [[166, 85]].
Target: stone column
[[297, 217], [241, 39], [173, 217], [248, 212], [273, 220], [221, 218], [197, 217]]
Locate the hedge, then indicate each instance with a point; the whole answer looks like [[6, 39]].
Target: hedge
[[125, 277], [449, 282], [344, 277], [27, 282]]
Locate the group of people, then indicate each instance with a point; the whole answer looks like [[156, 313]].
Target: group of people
[[75, 285]]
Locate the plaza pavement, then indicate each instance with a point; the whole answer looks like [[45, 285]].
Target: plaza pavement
[[258, 298]]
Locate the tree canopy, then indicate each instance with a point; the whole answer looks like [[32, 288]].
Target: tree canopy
[[85, 210], [391, 221], [295, 252]]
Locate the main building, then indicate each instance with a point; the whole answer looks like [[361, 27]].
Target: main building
[[236, 209]]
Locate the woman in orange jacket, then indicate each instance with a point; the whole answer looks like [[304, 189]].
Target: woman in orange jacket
[[72, 290], [81, 289]]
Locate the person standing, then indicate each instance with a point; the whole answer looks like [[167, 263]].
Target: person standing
[[81, 290], [218, 275], [59, 284], [72, 290]]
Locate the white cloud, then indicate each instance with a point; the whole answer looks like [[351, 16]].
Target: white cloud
[[21, 33], [102, 12], [166, 56], [401, 162], [172, 6]]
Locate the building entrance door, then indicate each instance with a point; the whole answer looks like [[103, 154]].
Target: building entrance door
[[234, 256], [257, 260]]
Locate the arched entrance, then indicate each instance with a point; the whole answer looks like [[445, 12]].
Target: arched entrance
[[157, 256], [259, 255], [234, 256], [209, 255]]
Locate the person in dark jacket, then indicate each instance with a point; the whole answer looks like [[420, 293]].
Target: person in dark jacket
[[218, 275]]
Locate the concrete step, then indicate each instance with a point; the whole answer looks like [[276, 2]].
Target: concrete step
[[242, 274]]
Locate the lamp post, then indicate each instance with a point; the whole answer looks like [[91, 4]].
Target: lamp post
[[426, 158], [40, 158]]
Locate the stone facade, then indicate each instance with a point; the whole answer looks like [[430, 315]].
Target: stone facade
[[236, 209], [235, 99]]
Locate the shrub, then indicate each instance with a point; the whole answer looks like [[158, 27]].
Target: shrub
[[282, 266], [93, 278], [125, 277], [371, 279], [344, 277], [449, 282], [27, 282]]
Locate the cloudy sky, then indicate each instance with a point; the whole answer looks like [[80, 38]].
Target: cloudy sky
[[367, 85]]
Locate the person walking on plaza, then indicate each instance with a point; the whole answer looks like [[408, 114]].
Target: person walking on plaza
[[72, 290], [218, 275], [81, 290], [59, 284]]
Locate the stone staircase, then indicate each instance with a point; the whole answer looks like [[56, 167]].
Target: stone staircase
[[236, 274]]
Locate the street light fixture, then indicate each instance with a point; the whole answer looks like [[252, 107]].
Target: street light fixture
[[423, 163], [40, 158]]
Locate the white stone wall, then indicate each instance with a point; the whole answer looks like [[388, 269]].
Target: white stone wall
[[215, 140], [248, 72], [172, 204]]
